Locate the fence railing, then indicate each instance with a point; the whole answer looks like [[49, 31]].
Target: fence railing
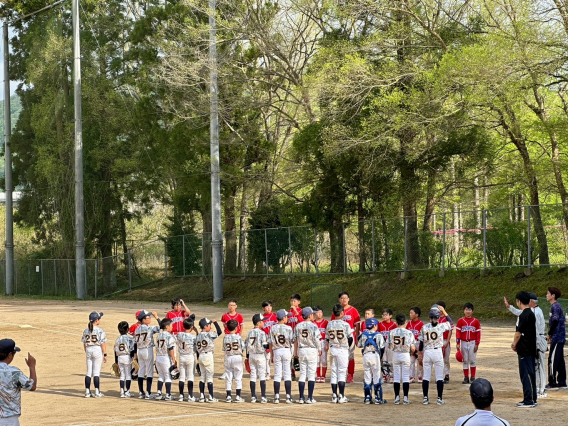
[[493, 238]]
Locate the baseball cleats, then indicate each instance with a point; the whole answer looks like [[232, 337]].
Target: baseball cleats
[[211, 399], [440, 401], [405, 401], [350, 378], [88, 394], [253, 400], [411, 379], [420, 380], [342, 400], [277, 400], [150, 396], [99, 394], [168, 397], [201, 398], [191, 399], [542, 395], [263, 400], [289, 399], [334, 399], [523, 405], [127, 394], [238, 399], [425, 401], [472, 379], [180, 399], [465, 381], [141, 395], [397, 400], [380, 401], [159, 396], [229, 399], [301, 401], [310, 401], [367, 400], [122, 394], [446, 379]]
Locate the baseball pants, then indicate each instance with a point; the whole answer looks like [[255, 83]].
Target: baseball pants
[[446, 354], [267, 368], [163, 365], [186, 368], [234, 369], [257, 364], [207, 367], [308, 364], [371, 368], [339, 361], [541, 377], [322, 359], [401, 366], [125, 367], [94, 360], [416, 370], [146, 362], [433, 358], [282, 359], [10, 421], [469, 356]]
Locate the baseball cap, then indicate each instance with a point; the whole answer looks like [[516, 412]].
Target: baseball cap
[[256, 319], [282, 313], [371, 322], [204, 322], [138, 313], [143, 314], [533, 296], [93, 316], [307, 311], [481, 389], [7, 346], [434, 312]]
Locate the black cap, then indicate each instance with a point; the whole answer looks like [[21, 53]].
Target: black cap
[[7, 346], [256, 319], [143, 314], [481, 391], [533, 296], [204, 322]]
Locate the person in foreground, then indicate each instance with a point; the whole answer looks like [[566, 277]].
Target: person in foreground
[[481, 393], [12, 381]]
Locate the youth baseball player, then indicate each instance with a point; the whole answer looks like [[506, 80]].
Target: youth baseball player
[[402, 344], [124, 351], [144, 337], [268, 319], [256, 344], [94, 343], [372, 344], [281, 340], [431, 343], [205, 344], [340, 337], [321, 323], [350, 316], [385, 327], [447, 348], [165, 358], [233, 347], [415, 325], [308, 336], [186, 347], [468, 336]]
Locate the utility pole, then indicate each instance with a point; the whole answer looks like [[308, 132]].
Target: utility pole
[[217, 236], [8, 169], [79, 202]]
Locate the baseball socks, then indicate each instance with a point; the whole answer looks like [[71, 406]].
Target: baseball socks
[[141, 384], [350, 371], [473, 369], [425, 386], [341, 386], [440, 386], [149, 385], [288, 387], [263, 388], [311, 387], [210, 389], [253, 389], [168, 388], [334, 388], [87, 385], [396, 389], [202, 390], [405, 389], [302, 387]]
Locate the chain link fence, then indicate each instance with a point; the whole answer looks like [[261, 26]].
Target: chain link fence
[[493, 238]]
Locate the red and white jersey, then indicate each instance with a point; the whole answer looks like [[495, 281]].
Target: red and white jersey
[[386, 327], [296, 319], [322, 325], [446, 333], [350, 316], [269, 320], [468, 329], [415, 327], [177, 320], [133, 328], [237, 317]]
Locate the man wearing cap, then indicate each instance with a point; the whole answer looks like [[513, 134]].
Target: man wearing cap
[[12, 381], [481, 393], [541, 342]]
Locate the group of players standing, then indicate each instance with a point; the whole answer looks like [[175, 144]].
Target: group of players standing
[[297, 339]]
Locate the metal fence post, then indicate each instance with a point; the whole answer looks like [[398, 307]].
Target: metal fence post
[[290, 251], [316, 251], [55, 276], [183, 252], [444, 242], [529, 254], [484, 239], [130, 269], [69, 274], [344, 250], [266, 250], [405, 244], [41, 267], [373, 243]]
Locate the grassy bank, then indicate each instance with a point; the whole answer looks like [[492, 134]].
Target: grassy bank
[[376, 291]]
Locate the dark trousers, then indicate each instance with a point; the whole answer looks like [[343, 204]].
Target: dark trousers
[[528, 378], [556, 365]]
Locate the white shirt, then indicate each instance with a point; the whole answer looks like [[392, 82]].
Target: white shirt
[[481, 418]]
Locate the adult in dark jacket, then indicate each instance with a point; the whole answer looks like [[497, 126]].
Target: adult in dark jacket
[[557, 338]]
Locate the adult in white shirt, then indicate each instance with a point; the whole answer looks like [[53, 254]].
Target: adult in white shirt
[[481, 393], [541, 343]]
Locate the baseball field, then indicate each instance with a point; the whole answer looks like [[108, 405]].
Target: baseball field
[[51, 331]]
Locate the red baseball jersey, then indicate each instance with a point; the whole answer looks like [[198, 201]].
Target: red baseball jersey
[[237, 317], [296, 318], [133, 328], [415, 327], [269, 320], [350, 316], [322, 325], [177, 320], [468, 329], [386, 327], [446, 333]]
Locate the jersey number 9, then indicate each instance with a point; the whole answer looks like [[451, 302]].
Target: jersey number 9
[[201, 344]]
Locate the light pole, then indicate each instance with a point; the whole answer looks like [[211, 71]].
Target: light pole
[[9, 244]]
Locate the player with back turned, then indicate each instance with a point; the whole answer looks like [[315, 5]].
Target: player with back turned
[[415, 325], [308, 336], [256, 344], [281, 340], [401, 342], [340, 337], [350, 316]]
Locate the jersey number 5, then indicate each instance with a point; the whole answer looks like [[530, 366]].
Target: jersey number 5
[[340, 334], [399, 340]]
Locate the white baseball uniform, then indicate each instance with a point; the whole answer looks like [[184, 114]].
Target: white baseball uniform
[[94, 353]]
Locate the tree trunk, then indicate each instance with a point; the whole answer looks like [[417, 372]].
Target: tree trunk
[[242, 227], [230, 233], [430, 201], [336, 246], [409, 185], [361, 233]]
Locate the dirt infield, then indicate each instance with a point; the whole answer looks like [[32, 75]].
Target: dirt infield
[[54, 338]]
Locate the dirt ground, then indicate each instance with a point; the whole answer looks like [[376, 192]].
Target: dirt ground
[[54, 339]]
